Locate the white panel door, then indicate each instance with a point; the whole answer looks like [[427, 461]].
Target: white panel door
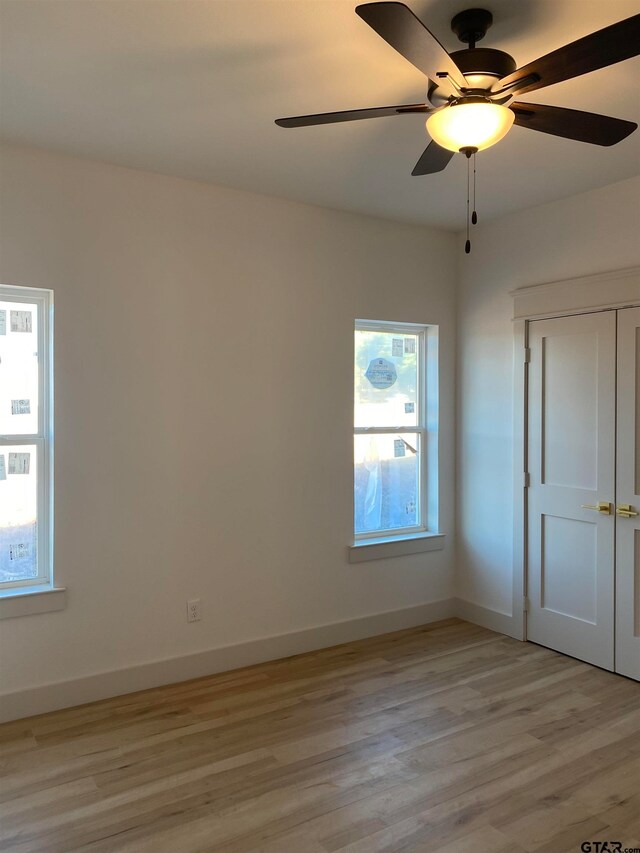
[[628, 496], [571, 441]]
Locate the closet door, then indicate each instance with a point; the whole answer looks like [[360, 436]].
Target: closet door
[[628, 496], [571, 441]]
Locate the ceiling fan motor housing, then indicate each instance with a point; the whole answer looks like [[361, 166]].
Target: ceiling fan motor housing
[[481, 66], [485, 61]]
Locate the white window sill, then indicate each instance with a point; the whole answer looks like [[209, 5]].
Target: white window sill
[[30, 600], [380, 547]]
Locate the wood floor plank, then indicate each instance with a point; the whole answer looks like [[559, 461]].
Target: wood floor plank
[[484, 840], [442, 739]]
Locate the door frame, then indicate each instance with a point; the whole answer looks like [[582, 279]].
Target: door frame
[[606, 291]]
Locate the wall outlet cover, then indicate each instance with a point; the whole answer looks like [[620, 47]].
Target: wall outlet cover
[[194, 610]]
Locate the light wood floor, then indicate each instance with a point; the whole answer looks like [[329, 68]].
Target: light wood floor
[[445, 738]]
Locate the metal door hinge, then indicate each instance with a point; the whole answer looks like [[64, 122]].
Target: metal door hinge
[[526, 479], [527, 355], [526, 604]]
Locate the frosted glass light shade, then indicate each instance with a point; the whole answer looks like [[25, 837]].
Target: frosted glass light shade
[[470, 125]]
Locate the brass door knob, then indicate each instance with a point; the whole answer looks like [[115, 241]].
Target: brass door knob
[[626, 511], [602, 506]]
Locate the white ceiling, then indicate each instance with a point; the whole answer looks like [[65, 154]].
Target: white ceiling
[[191, 88]]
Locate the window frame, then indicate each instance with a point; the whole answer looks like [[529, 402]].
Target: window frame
[[426, 428], [42, 440]]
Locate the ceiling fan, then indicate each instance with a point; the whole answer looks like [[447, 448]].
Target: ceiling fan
[[468, 89]]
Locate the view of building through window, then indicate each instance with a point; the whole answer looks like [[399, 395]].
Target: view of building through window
[[23, 438], [389, 428]]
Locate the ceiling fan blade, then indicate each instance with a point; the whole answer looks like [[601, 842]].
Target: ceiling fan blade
[[400, 28], [434, 159], [352, 115], [598, 50], [572, 124]]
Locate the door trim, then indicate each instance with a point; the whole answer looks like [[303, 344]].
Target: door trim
[[582, 295], [600, 292]]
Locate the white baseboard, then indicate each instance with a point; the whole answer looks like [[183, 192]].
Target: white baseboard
[[78, 691], [502, 623]]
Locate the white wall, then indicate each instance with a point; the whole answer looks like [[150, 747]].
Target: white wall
[[590, 233], [204, 409]]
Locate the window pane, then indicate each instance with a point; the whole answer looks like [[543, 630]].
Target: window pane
[[387, 489], [18, 509], [386, 379], [18, 368]]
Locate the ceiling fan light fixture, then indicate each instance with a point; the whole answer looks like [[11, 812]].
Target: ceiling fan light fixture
[[470, 124]]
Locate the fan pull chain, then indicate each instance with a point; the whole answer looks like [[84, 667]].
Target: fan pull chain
[[474, 215], [467, 245]]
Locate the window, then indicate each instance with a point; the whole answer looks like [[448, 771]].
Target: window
[[395, 429], [25, 437]]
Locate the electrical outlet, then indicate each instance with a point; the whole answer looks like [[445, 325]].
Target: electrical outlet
[[194, 610]]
